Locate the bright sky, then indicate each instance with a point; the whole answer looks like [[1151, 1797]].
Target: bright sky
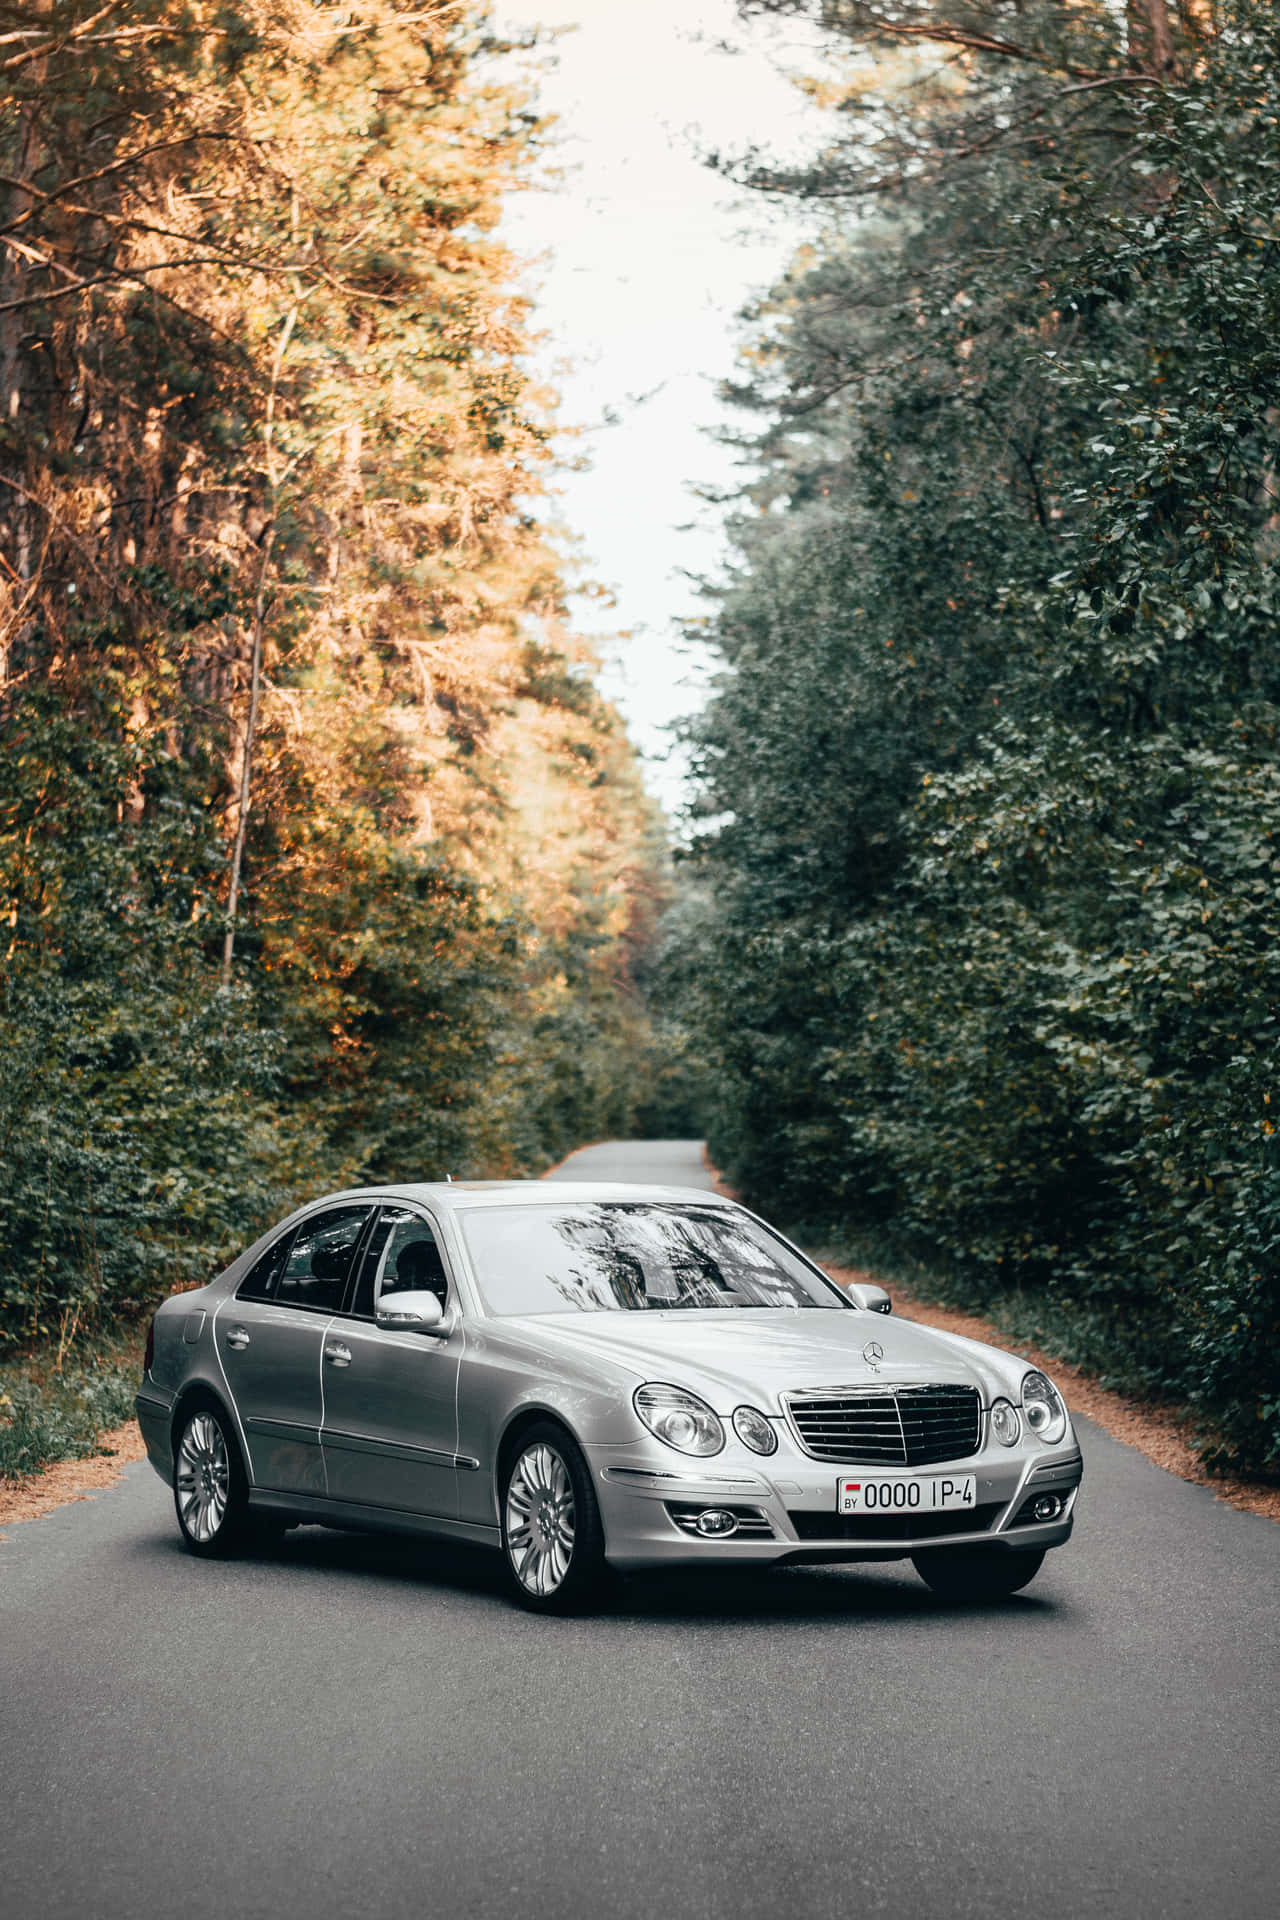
[[645, 257]]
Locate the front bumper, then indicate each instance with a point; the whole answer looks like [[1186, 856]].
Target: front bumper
[[786, 1507]]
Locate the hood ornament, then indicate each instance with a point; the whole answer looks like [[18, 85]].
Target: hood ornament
[[873, 1353]]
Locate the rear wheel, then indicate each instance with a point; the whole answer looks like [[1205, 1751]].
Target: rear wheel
[[210, 1487], [976, 1573], [551, 1533]]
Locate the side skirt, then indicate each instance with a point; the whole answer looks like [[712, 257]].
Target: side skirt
[[310, 1508]]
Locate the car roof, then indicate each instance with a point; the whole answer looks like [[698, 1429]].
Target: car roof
[[461, 1196]]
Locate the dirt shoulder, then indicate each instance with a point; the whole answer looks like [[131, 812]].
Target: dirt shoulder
[[55, 1486]]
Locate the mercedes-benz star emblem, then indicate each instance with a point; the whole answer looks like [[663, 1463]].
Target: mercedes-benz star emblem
[[872, 1352]]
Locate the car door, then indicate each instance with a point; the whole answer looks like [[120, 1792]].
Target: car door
[[390, 1398], [270, 1341]]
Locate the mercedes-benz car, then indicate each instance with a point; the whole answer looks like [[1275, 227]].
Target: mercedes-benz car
[[594, 1377]]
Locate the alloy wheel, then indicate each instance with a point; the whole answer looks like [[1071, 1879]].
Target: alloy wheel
[[540, 1518], [203, 1478]]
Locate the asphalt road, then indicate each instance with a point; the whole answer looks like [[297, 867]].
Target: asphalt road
[[347, 1727]]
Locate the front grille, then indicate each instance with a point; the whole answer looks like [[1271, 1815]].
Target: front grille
[[898, 1427], [813, 1525]]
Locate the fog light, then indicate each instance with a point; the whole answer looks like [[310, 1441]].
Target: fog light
[[1048, 1506], [715, 1523]]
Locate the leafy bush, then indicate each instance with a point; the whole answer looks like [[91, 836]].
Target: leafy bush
[[50, 1413]]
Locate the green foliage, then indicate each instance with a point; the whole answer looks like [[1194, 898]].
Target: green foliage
[[58, 1408], [134, 1097], [987, 963]]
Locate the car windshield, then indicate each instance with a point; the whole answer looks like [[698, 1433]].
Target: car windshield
[[603, 1256]]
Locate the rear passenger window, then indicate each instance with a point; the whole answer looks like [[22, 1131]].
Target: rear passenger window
[[315, 1274], [260, 1281]]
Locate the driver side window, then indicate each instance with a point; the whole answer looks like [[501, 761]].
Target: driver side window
[[402, 1257]]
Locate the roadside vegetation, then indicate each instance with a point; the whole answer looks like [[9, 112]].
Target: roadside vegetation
[[322, 860], [984, 962], [56, 1404]]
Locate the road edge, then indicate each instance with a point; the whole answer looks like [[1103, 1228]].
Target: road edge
[[64, 1481], [1155, 1431]]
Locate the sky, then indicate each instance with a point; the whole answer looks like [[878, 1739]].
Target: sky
[[641, 259]]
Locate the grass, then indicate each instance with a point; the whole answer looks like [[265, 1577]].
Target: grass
[[56, 1405]]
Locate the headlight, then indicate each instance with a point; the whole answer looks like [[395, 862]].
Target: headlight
[[754, 1430], [1005, 1424], [1043, 1408], [678, 1418]]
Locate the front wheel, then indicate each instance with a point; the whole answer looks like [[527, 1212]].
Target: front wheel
[[210, 1488], [976, 1573], [551, 1533]]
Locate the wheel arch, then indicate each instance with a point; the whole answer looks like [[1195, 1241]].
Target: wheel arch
[[199, 1393], [521, 1422]]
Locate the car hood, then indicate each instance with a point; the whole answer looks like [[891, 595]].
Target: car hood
[[729, 1355]]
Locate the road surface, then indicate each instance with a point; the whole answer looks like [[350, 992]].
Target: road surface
[[357, 1727]]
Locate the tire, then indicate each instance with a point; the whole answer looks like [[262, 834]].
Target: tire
[[552, 1538], [976, 1573], [210, 1487]]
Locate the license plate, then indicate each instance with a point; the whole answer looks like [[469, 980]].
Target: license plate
[[923, 1493]]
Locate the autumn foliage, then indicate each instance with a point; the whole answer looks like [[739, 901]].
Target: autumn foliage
[[323, 860]]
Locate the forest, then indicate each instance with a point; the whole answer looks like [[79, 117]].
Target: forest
[[981, 942], [322, 859]]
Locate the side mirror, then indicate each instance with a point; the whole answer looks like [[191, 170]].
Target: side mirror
[[874, 1299], [410, 1312]]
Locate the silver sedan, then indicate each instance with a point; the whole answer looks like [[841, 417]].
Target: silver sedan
[[589, 1377]]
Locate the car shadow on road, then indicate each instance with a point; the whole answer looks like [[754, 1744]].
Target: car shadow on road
[[799, 1593], [888, 1591]]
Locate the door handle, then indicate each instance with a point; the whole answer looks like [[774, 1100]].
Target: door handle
[[238, 1337], [338, 1356]]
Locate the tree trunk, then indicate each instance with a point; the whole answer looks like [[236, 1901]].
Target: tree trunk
[[15, 507], [1150, 36], [246, 763]]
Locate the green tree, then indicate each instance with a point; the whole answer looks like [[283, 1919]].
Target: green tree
[[990, 778]]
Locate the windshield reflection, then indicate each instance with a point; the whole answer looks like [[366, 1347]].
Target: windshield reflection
[[612, 1256]]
